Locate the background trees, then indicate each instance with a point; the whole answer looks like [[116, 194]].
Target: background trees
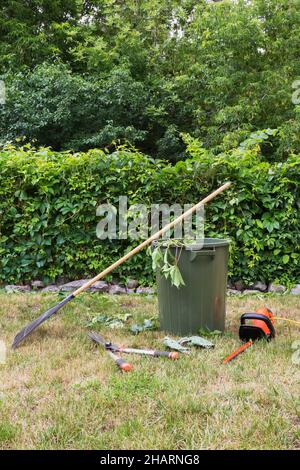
[[84, 73]]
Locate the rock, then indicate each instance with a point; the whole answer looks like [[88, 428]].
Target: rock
[[50, 288], [115, 289], [296, 290], [130, 291], [37, 284], [239, 285], [251, 291], [261, 286], [233, 292], [99, 286], [132, 284], [277, 288], [13, 288], [73, 285], [144, 290]]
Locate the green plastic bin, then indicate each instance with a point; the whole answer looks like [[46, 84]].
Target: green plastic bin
[[200, 304]]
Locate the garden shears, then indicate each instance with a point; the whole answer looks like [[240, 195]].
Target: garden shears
[[112, 349]]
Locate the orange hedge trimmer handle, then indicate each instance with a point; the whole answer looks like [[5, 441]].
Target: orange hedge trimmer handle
[[238, 351]]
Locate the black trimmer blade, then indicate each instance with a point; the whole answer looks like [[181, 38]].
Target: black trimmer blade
[[34, 324], [97, 338]]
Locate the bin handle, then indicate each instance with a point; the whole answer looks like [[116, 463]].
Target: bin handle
[[195, 253]]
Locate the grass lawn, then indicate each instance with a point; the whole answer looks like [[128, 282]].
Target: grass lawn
[[58, 391]]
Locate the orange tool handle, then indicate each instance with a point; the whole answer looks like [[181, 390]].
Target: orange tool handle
[[238, 351], [122, 365], [171, 355]]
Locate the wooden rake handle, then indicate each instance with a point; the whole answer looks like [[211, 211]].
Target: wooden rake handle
[[152, 238]]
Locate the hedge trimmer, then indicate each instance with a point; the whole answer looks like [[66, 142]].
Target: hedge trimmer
[[34, 324], [255, 326], [114, 348]]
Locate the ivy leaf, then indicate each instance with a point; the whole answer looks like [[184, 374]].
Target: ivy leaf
[[285, 259]]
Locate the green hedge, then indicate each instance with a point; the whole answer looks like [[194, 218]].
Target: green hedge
[[48, 210]]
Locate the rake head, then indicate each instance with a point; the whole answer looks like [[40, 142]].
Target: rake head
[[34, 324]]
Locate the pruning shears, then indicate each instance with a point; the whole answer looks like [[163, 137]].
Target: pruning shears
[[112, 349]]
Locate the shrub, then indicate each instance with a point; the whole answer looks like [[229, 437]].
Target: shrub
[[48, 209], [56, 107]]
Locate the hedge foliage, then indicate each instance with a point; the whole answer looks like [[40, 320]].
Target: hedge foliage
[[48, 206]]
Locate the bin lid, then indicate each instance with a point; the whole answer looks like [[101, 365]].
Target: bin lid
[[202, 243], [208, 243]]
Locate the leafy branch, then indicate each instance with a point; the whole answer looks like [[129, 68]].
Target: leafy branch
[[164, 261]]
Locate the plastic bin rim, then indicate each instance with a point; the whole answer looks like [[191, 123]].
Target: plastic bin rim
[[205, 243]]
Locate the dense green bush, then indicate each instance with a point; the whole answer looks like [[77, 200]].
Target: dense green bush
[[48, 209], [80, 74], [51, 105]]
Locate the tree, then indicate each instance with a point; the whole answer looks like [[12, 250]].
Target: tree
[[56, 107], [149, 70]]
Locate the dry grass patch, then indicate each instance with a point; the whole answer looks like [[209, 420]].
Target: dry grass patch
[[58, 391]]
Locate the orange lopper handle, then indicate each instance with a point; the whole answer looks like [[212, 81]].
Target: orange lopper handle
[[173, 355], [123, 365]]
